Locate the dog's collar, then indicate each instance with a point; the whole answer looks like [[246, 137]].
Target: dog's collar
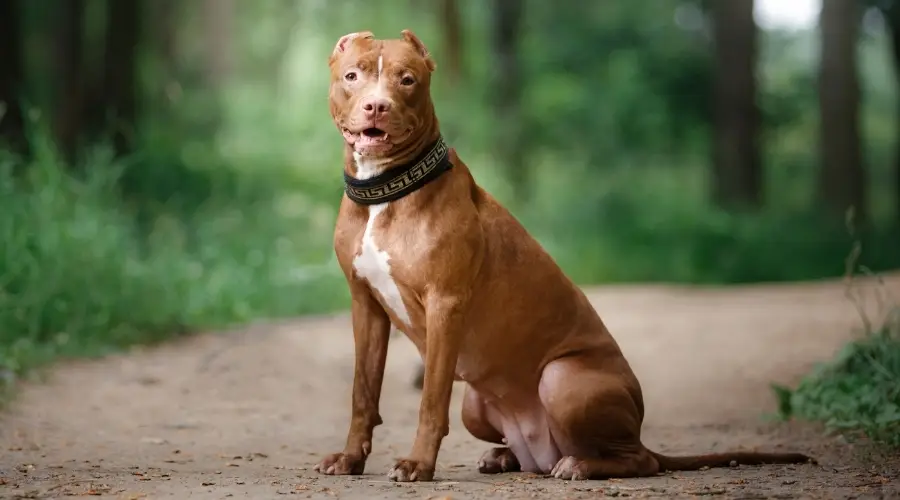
[[400, 181]]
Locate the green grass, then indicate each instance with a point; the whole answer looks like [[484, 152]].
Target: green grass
[[85, 269], [857, 392]]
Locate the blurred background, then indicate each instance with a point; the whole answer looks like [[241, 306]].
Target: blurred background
[[171, 165]]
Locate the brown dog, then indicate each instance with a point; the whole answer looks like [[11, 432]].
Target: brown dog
[[427, 250]]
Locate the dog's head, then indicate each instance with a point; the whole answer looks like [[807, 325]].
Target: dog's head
[[380, 94]]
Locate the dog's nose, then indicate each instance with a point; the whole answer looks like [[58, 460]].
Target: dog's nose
[[376, 106]]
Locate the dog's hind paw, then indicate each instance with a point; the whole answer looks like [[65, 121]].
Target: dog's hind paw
[[570, 468], [498, 460]]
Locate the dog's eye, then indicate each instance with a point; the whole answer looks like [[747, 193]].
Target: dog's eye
[[406, 81], [350, 76]]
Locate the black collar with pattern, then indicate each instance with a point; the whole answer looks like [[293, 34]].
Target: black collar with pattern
[[400, 181]]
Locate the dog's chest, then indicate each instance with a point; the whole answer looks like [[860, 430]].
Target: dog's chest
[[378, 251], [373, 264]]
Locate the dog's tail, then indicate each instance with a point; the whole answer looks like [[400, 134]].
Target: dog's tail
[[728, 459]]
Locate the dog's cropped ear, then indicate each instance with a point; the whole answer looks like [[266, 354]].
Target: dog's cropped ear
[[411, 37], [347, 39]]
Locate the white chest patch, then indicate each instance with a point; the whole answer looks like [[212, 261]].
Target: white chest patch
[[373, 263]]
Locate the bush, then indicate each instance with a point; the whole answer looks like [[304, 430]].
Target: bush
[[858, 392], [82, 271]]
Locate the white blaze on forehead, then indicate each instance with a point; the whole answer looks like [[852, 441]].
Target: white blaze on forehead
[[373, 263], [381, 85]]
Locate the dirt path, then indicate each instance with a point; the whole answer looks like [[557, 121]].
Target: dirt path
[[247, 414]]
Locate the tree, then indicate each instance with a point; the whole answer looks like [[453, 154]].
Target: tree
[[69, 51], [737, 179], [842, 179], [12, 76], [507, 87], [452, 30], [891, 12], [163, 45], [120, 71], [218, 18]]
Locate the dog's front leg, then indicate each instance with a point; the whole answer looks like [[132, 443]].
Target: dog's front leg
[[444, 318], [371, 331]]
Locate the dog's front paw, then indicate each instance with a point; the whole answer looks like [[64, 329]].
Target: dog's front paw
[[341, 464], [406, 470], [570, 468]]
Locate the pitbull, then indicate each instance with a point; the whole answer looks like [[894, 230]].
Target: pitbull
[[425, 249]]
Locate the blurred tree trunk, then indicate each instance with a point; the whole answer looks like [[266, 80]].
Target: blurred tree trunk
[[12, 76], [452, 28], [120, 70], [891, 11], [507, 87], [842, 181], [163, 31], [737, 168], [70, 92], [218, 18], [218, 58]]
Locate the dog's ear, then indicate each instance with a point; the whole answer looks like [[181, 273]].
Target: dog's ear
[[347, 39], [411, 37]]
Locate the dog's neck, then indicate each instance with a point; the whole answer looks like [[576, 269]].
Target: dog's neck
[[399, 181]]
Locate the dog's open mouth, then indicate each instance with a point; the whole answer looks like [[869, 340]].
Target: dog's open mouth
[[374, 133], [372, 138]]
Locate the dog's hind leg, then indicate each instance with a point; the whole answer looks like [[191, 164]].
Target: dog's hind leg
[[595, 410], [484, 424]]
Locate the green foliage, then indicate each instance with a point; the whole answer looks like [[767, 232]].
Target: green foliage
[[858, 391], [643, 223], [625, 57], [80, 274]]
